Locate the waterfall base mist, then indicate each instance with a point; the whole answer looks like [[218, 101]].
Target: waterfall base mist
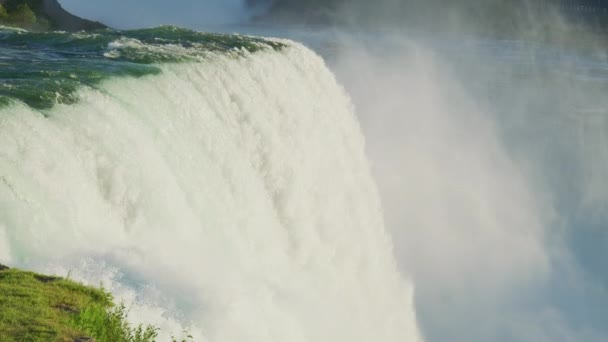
[[488, 191]]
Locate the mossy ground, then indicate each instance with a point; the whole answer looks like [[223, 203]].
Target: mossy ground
[[35, 307]]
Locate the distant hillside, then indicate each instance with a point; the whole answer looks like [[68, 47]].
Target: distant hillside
[[43, 15], [581, 23], [486, 15]]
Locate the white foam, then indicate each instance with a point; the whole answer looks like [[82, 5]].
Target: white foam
[[231, 198]]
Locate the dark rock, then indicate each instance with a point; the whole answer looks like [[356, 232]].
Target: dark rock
[[67, 308], [84, 339], [3, 268], [46, 279]]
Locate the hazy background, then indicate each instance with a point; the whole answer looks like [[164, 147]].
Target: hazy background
[[487, 129], [135, 14]]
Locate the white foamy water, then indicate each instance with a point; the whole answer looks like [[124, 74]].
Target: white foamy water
[[231, 198]]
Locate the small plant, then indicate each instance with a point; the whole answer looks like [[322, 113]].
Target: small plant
[[23, 15], [188, 338]]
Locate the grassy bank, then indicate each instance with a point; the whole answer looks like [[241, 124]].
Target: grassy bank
[[35, 307]]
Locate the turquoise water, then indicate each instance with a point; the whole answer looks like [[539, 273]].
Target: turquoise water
[[43, 69]]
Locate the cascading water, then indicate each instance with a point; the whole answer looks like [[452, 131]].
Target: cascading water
[[227, 194]]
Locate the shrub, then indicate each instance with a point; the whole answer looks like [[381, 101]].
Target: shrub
[[23, 15], [3, 14], [112, 325]]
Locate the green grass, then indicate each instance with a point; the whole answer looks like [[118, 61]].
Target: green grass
[[35, 307]]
